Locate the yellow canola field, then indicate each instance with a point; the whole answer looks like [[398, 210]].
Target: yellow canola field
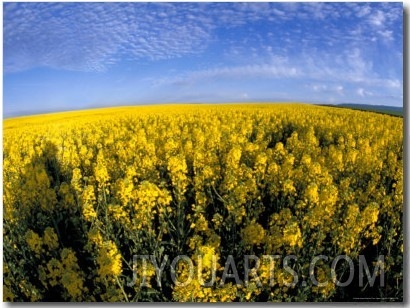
[[85, 191]]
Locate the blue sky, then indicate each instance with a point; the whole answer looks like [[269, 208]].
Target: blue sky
[[59, 56]]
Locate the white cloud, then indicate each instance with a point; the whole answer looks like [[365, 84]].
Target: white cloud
[[394, 83], [319, 87], [324, 73], [278, 70], [85, 36], [363, 93], [363, 11], [325, 88], [94, 36], [244, 95], [377, 18], [386, 34]]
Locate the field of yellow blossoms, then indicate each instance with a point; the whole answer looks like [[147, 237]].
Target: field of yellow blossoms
[[87, 191]]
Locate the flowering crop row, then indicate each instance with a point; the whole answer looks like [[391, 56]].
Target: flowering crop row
[[86, 191]]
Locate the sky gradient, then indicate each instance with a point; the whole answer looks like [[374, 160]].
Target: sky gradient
[[67, 56]]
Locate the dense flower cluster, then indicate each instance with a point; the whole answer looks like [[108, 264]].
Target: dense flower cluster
[[86, 191]]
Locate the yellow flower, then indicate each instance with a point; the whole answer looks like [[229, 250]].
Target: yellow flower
[[88, 199], [178, 169], [253, 234], [311, 193], [322, 179], [100, 171], [50, 238], [288, 187], [292, 235], [94, 236], [201, 223], [71, 277], [217, 220], [34, 241], [371, 213], [118, 212], [208, 256], [109, 260], [234, 157]]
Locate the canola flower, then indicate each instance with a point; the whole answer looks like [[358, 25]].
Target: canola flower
[[85, 191]]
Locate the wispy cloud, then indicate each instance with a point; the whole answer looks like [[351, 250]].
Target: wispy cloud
[[92, 36], [377, 19], [332, 50], [363, 93], [237, 72], [325, 72]]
